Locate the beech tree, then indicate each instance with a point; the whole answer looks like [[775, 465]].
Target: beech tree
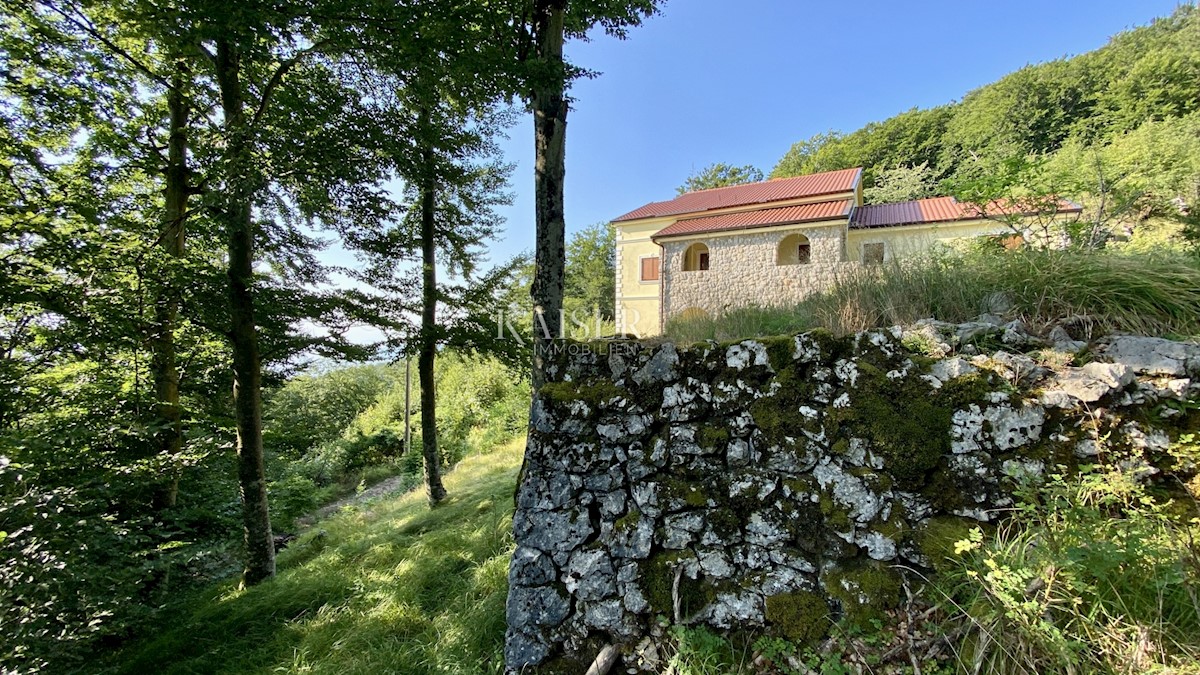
[[542, 32], [720, 175], [290, 149], [902, 183]]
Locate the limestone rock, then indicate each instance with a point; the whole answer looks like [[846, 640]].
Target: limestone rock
[[1094, 381], [1153, 356], [948, 369], [590, 575], [660, 367], [1062, 340], [531, 567], [739, 484], [747, 353], [634, 542], [974, 331], [536, 606], [551, 531]]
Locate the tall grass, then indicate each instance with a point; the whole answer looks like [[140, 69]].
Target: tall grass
[[1098, 292], [392, 587]]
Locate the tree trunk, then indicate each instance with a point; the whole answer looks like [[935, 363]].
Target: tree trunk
[[166, 306], [247, 375], [429, 441], [550, 132]]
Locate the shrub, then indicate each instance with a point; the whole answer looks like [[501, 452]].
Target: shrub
[[317, 407], [294, 496], [1090, 575]]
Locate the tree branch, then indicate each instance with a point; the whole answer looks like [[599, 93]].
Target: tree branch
[[277, 79], [88, 27]]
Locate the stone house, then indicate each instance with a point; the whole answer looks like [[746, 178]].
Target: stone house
[[769, 243]]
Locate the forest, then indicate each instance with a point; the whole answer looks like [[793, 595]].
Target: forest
[[1116, 129], [171, 387], [181, 388]]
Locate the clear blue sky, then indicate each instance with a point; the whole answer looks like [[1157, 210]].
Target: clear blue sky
[[739, 81]]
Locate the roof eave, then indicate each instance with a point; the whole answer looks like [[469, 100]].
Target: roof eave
[[694, 235]]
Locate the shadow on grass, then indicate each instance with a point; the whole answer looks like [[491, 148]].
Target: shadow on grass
[[389, 587]]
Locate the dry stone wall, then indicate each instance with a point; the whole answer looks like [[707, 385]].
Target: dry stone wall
[[781, 484]]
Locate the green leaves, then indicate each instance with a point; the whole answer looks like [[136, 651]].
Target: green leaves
[[1129, 102], [720, 175]]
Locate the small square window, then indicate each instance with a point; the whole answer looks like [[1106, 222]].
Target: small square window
[[804, 254], [872, 254], [650, 267], [703, 261]]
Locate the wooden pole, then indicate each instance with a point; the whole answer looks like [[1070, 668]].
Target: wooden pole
[[604, 661], [407, 407]]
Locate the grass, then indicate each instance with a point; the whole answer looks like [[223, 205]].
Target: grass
[[391, 587], [1098, 292]]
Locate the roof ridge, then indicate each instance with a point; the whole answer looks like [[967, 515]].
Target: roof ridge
[[814, 185]]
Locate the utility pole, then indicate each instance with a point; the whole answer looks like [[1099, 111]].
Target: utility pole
[[407, 398]]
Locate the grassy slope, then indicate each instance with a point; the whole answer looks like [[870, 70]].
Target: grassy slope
[[1104, 291], [392, 587]]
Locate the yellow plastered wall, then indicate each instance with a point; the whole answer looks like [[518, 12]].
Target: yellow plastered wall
[[638, 302], [901, 241]]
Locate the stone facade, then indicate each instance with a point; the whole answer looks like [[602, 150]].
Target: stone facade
[[780, 484], [743, 270]]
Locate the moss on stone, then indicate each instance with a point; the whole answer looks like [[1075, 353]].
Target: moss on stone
[[780, 351], [832, 347], [628, 521], [962, 391], [907, 427], [712, 437], [724, 522], [895, 527], [658, 583], [803, 485], [840, 447], [936, 538], [942, 489], [836, 516], [802, 617], [593, 392], [688, 491], [875, 481], [866, 591], [778, 415]]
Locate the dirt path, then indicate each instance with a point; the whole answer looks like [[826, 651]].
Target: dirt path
[[381, 489]]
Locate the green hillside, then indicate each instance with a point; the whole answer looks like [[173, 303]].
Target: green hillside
[[1134, 104]]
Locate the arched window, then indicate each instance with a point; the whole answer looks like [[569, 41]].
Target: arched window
[[695, 258], [794, 249]]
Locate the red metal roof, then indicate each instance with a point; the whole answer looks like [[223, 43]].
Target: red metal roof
[[812, 185], [936, 210], [801, 213]]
